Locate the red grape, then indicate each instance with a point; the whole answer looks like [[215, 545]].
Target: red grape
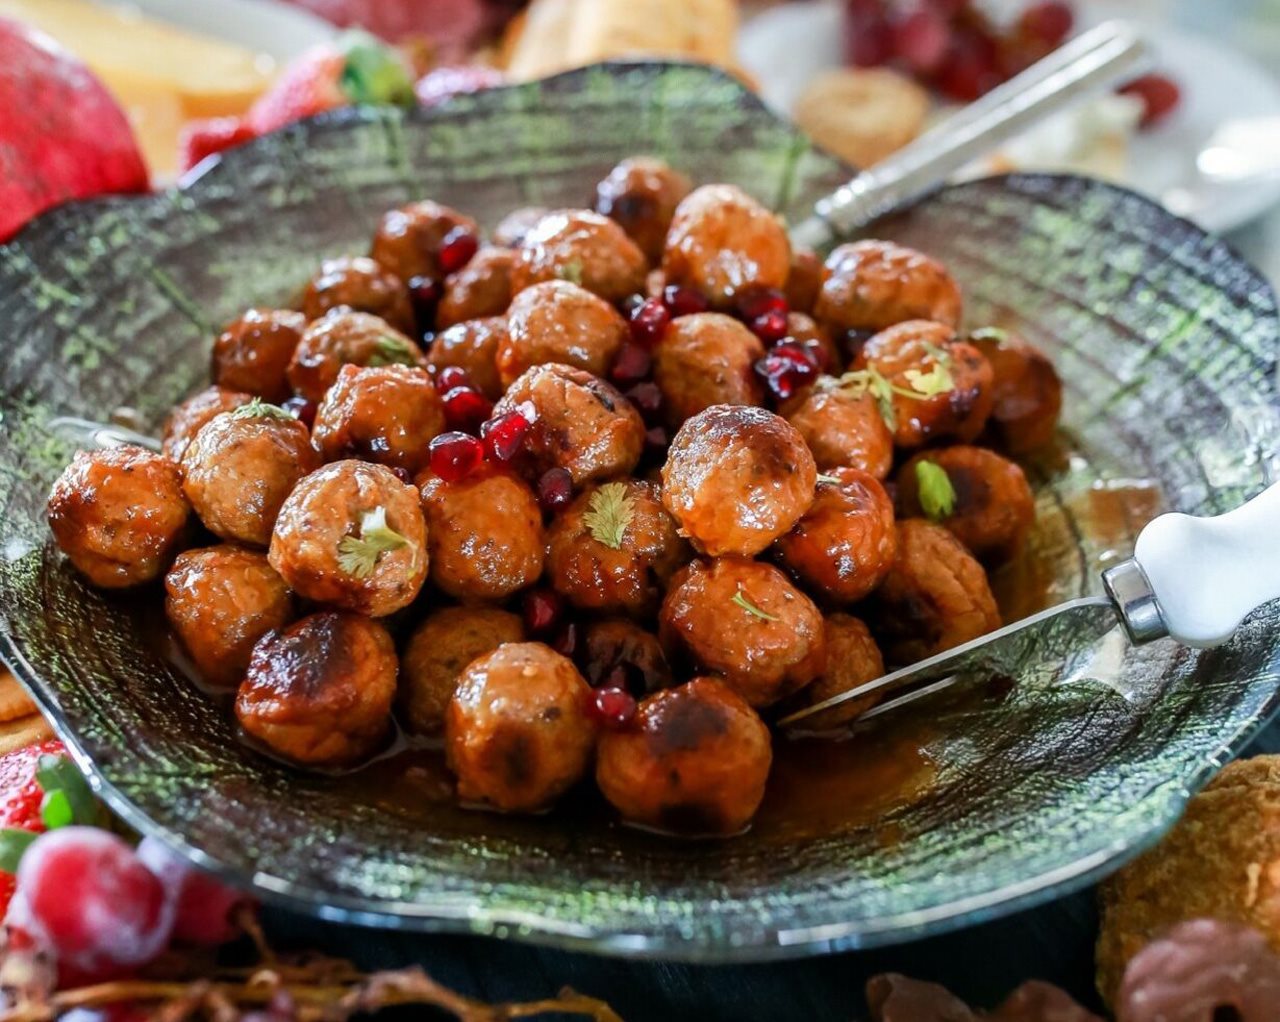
[[972, 66], [1047, 23], [204, 907], [1160, 95], [921, 39]]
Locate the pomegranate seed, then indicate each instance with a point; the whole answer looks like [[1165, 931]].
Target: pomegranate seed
[[206, 908], [759, 301], [656, 440], [649, 322], [566, 641], [631, 365], [1047, 23], [450, 377], [455, 455], [465, 408], [403, 474], [770, 327], [647, 397], [683, 301], [786, 368], [542, 610], [555, 489], [301, 409], [1160, 96], [459, 245], [504, 436], [611, 707], [921, 39], [797, 354], [817, 354]]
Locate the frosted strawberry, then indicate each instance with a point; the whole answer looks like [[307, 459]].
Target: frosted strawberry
[[205, 909], [20, 798], [201, 139]]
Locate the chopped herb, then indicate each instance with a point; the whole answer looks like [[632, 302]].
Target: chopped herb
[[828, 479], [870, 381], [991, 333], [259, 409], [937, 495], [570, 271], [358, 555], [937, 354], [609, 513], [390, 350], [740, 598], [936, 381]]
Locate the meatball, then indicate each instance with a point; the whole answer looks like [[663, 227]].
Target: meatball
[[641, 194], [804, 280], [584, 247], [853, 659], [240, 468], [583, 424], [481, 288], [989, 507], [352, 534], [952, 378], [485, 533], [845, 544], [515, 225], [188, 418], [743, 620], [722, 242], [516, 730], [438, 651], [319, 693], [387, 414], [614, 548], [871, 285], [252, 353], [1027, 392], [343, 337], [816, 340], [706, 359], [557, 321], [359, 284], [407, 241], [472, 346], [843, 426], [220, 601], [935, 596], [695, 761], [736, 479], [616, 649], [119, 515]]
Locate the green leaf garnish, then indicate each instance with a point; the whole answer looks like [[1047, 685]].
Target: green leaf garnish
[[871, 381], [13, 842], [570, 271], [991, 333], [390, 350], [936, 381], [373, 72], [358, 555], [57, 774], [608, 514], [259, 409], [937, 495], [828, 479], [740, 598], [55, 809]]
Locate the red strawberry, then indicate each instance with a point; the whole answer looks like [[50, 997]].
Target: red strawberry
[[20, 798], [201, 139]]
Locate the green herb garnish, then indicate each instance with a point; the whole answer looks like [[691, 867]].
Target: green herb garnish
[[259, 409], [390, 350], [991, 333], [570, 271], [828, 479], [937, 495], [740, 598], [609, 513], [358, 555]]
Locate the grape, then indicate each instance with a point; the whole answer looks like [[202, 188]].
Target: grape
[[204, 907], [921, 38], [1047, 23], [972, 66], [868, 37], [1160, 95]]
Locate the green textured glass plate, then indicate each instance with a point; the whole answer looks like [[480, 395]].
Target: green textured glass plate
[[1167, 341]]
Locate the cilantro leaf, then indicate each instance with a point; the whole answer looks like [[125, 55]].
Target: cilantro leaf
[[871, 381], [390, 350], [740, 598], [609, 513], [259, 409], [358, 555], [936, 381], [937, 495]]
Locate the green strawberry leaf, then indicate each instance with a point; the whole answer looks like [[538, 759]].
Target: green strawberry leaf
[[13, 843], [55, 809], [59, 774], [373, 72]]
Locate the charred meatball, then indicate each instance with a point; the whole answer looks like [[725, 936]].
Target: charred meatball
[[188, 418], [1027, 392], [516, 731], [341, 338], [583, 247], [853, 659], [515, 225], [617, 651], [408, 240], [352, 534], [472, 346], [804, 281], [359, 284], [641, 195], [722, 242], [695, 761], [560, 322], [387, 414], [220, 601], [439, 650], [843, 426], [845, 544], [736, 479], [119, 515], [746, 622], [706, 359], [319, 693], [481, 288], [253, 352], [485, 533], [935, 596], [871, 285]]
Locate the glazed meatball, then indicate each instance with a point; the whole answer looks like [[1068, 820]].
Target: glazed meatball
[[485, 533], [481, 288], [816, 340], [804, 280], [617, 650], [346, 338], [319, 693], [736, 479], [722, 242], [952, 378], [871, 285], [188, 418], [220, 601], [743, 620], [583, 424], [387, 414], [695, 761], [991, 508], [706, 359], [845, 544], [1027, 392], [614, 548], [472, 346], [359, 284], [935, 596], [119, 515], [240, 468], [557, 321], [853, 659], [352, 534], [641, 195], [439, 650], [407, 241], [516, 731], [584, 247], [843, 426], [252, 353], [515, 225]]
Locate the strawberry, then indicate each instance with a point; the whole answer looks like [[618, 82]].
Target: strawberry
[[20, 798], [201, 139]]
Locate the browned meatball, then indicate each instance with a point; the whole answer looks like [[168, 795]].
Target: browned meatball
[[515, 225], [481, 288], [736, 479], [516, 731], [804, 281], [816, 340], [252, 353], [695, 761], [439, 650], [352, 534], [1027, 392], [485, 533], [119, 515], [189, 417], [853, 659], [951, 378], [359, 284], [472, 346], [745, 621], [935, 596], [240, 468], [387, 414], [341, 338], [407, 241], [871, 285], [616, 648], [641, 194], [319, 693], [220, 601], [723, 242], [845, 544], [584, 247], [843, 425], [614, 548], [991, 507], [557, 321], [706, 359], [583, 424]]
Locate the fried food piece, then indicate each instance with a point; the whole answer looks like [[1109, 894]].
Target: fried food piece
[[804, 280], [873, 285], [558, 321], [361, 285], [706, 359], [343, 337], [481, 288], [252, 353], [387, 414], [189, 417], [616, 646], [583, 247], [472, 346], [407, 241], [843, 426], [862, 114], [641, 194], [1027, 392], [853, 659]]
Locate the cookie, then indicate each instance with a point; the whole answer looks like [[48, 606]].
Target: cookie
[[862, 115]]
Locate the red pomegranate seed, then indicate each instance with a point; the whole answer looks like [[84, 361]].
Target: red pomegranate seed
[[555, 489], [786, 368], [631, 365], [450, 377], [566, 640], [769, 327], [759, 301], [921, 39], [455, 455], [796, 353], [611, 707], [465, 408], [456, 250], [647, 398], [1047, 23], [301, 409], [649, 322], [683, 301], [542, 609], [424, 294], [504, 436], [1160, 96], [656, 440], [818, 354]]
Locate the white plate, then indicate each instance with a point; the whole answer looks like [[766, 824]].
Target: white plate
[[280, 30]]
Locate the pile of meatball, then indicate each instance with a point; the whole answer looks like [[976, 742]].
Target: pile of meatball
[[604, 494]]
